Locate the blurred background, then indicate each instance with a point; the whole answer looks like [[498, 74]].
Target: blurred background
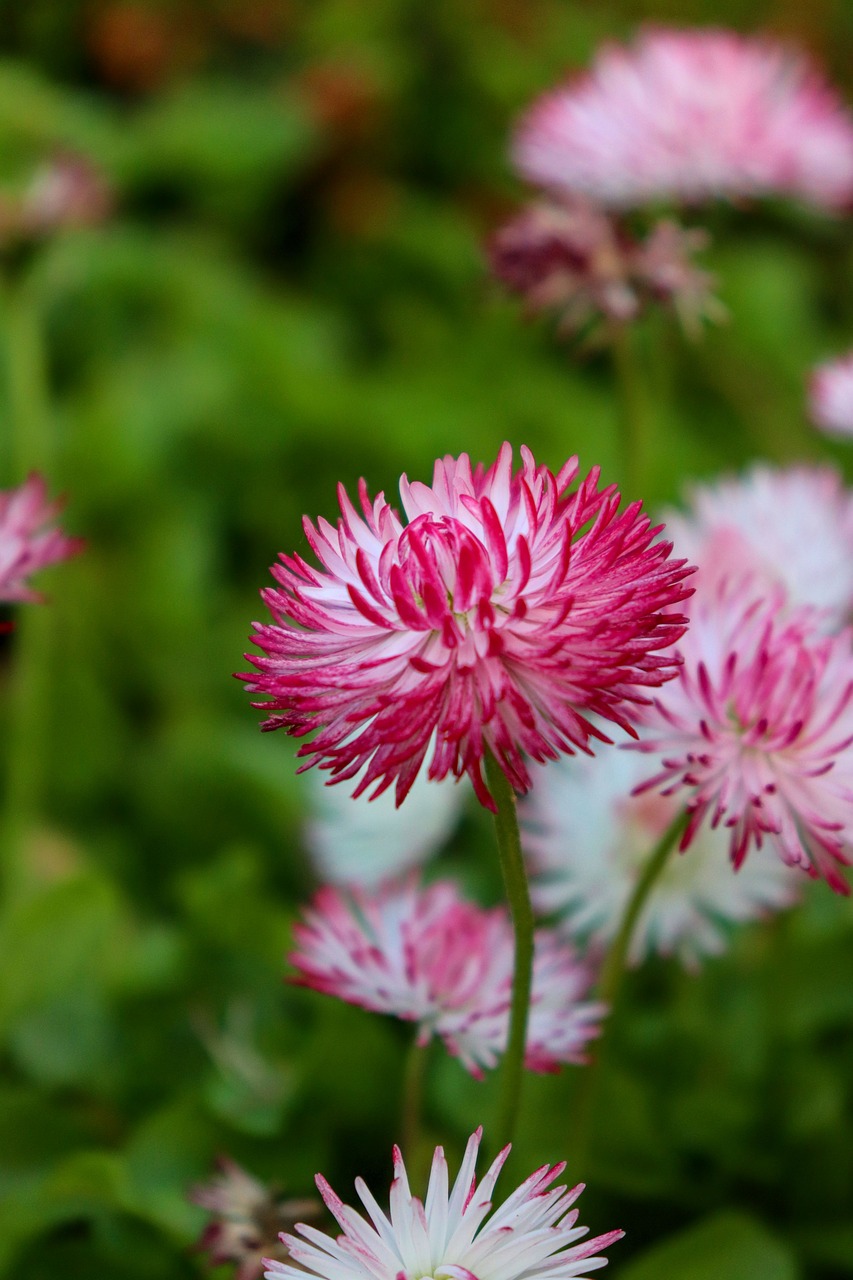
[[290, 289]]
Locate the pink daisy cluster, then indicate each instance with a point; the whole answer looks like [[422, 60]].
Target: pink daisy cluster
[[449, 1235], [831, 396], [28, 539], [689, 115], [507, 609], [428, 956], [758, 728], [756, 733]]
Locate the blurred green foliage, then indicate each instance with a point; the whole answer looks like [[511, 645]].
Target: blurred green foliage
[[292, 292]]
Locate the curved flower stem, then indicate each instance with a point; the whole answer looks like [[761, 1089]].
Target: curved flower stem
[[631, 395], [518, 897], [414, 1071], [610, 982], [32, 448]]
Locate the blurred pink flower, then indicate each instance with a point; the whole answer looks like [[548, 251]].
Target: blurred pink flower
[[831, 396], [793, 527], [532, 1235], [427, 956], [247, 1218], [758, 728], [568, 257], [690, 115], [504, 611], [28, 541]]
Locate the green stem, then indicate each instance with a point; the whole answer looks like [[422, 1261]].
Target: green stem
[[518, 897], [633, 409], [414, 1071], [610, 983], [32, 448]]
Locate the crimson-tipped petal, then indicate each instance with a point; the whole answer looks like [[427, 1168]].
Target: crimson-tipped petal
[[503, 613], [452, 1234]]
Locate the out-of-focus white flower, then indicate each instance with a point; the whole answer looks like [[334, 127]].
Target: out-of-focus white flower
[[791, 526], [587, 840], [363, 842]]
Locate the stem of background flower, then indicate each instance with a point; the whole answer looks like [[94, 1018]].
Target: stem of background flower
[[631, 395], [414, 1071], [610, 983], [518, 897], [31, 448]]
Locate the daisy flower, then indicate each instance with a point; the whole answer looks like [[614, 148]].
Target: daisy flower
[[831, 396], [429, 957], [756, 732], [588, 839], [689, 115], [28, 539], [506, 610], [449, 1235], [792, 527]]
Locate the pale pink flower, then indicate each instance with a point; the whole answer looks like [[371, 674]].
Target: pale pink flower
[[532, 1236], [792, 527], [505, 611], [831, 396], [687, 115], [587, 839], [755, 733], [247, 1219], [664, 266], [28, 539], [429, 957]]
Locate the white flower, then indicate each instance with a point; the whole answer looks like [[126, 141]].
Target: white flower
[[792, 526], [831, 396], [588, 838], [532, 1236], [362, 842]]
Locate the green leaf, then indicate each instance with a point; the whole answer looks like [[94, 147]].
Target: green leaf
[[728, 1246]]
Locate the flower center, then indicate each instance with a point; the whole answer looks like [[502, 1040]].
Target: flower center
[[448, 575]]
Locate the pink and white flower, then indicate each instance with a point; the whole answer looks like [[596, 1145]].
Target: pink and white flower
[[532, 1235], [756, 732], [587, 839], [791, 527], [831, 396], [688, 115], [506, 610], [246, 1219], [28, 539], [427, 956]]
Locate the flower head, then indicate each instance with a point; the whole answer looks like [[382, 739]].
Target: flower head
[[691, 115], [247, 1219], [567, 257], [756, 731], [831, 396], [790, 527], [587, 839], [429, 957], [367, 841], [506, 610], [28, 540], [533, 1233]]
